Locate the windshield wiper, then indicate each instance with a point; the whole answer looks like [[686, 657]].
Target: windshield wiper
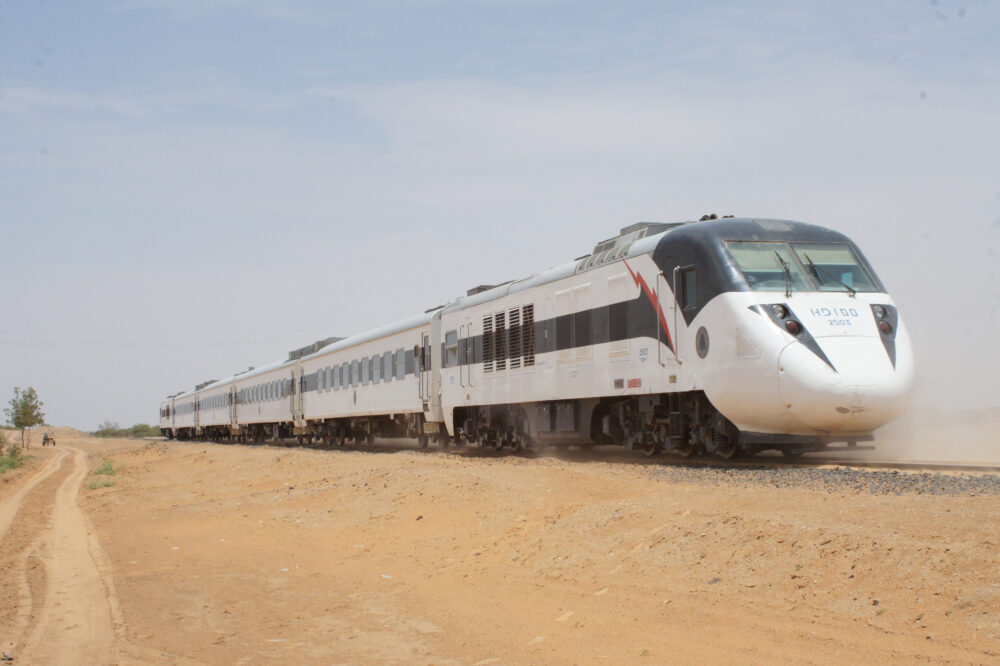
[[815, 272], [788, 274]]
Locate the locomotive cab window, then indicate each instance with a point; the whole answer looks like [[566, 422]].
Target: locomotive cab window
[[778, 266], [769, 266], [834, 267], [689, 288]]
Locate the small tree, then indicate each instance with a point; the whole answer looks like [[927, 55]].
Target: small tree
[[108, 429], [25, 412]]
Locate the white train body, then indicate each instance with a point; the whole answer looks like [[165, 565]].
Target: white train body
[[728, 336]]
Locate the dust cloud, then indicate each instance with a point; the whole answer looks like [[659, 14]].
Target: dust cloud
[[930, 434]]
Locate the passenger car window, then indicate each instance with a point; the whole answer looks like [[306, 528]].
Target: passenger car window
[[451, 349]]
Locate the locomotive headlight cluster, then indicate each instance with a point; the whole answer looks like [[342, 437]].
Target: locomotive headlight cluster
[[780, 313], [884, 327]]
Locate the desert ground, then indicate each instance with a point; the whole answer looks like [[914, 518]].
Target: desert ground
[[223, 554]]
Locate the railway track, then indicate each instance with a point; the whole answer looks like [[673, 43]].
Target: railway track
[[912, 465], [617, 454]]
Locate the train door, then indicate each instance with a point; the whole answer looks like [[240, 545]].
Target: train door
[[684, 285], [467, 359], [298, 394], [197, 415], [433, 361], [233, 425]]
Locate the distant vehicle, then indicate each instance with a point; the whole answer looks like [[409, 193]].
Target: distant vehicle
[[48, 440], [722, 336]]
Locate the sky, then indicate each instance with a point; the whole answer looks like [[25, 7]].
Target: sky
[[192, 187]]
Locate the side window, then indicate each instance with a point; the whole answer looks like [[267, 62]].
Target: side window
[[366, 369], [564, 323], [376, 369], [387, 364], [689, 288], [336, 377], [400, 364], [451, 349], [355, 373], [409, 362]]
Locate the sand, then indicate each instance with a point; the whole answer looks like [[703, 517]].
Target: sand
[[221, 554]]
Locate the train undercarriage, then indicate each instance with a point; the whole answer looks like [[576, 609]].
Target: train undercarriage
[[679, 424]]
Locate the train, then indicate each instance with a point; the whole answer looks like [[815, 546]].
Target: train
[[722, 336]]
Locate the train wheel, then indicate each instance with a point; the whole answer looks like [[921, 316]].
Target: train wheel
[[725, 447], [326, 438], [684, 448], [650, 447], [341, 437]]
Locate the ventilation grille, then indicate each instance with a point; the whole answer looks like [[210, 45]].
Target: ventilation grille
[[488, 343], [509, 339], [514, 338], [528, 334], [499, 342]]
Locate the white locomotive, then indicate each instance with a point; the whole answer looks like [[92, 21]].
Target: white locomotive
[[725, 336]]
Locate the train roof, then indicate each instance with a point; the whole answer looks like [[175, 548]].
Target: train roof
[[633, 240], [644, 237], [342, 343]]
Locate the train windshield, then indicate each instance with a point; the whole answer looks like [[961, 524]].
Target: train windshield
[[769, 266], [777, 266], [834, 267]]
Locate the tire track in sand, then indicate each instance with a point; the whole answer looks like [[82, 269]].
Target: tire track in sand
[[74, 625], [10, 508]]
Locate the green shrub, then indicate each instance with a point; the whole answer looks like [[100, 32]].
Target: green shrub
[[107, 468], [12, 459], [103, 483], [138, 431]]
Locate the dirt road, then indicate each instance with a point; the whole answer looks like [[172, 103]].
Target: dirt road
[[218, 554], [68, 619]]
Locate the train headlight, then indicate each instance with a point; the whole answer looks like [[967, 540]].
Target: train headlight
[[884, 327], [779, 310], [879, 312], [793, 327]]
